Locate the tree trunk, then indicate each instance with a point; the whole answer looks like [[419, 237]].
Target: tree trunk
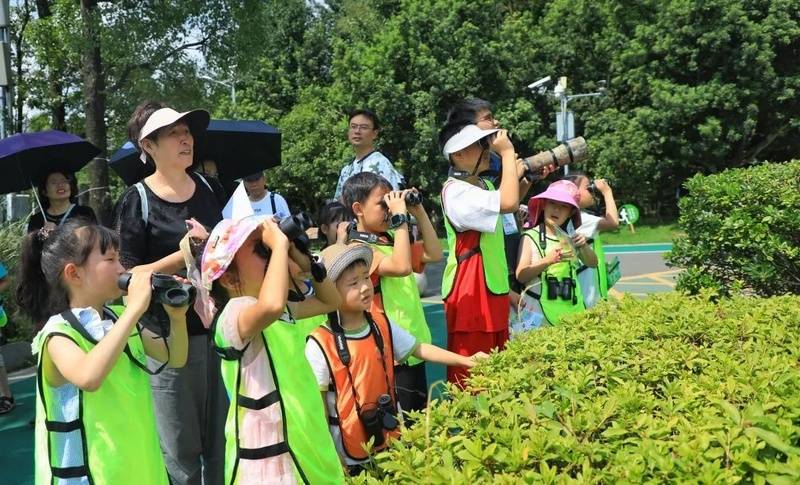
[[58, 108], [94, 100]]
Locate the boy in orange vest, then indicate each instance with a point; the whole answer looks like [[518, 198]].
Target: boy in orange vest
[[353, 357]]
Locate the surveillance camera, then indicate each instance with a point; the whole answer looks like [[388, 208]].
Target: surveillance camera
[[541, 83]]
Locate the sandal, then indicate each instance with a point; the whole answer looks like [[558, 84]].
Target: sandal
[[6, 404]]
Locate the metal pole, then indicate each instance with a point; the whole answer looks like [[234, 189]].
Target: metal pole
[[565, 122]]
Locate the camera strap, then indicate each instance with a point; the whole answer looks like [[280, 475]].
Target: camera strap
[[340, 340], [76, 325]]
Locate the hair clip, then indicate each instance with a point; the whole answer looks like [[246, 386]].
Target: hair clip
[[42, 234]]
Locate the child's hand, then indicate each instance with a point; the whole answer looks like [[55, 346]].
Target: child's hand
[[396, 202], [414, 209], [603, 186], [553, 257], [272, 236], [139, 291], [196, 230], [342, 232], [301, 259], [501, 144], [475, 358], [579, 240]]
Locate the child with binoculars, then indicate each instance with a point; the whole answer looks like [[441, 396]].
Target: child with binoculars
[[353, 358], [88, 393], [275, 429], [549, 253]]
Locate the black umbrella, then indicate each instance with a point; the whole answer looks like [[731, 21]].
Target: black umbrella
[[27, 158], [239, 148]]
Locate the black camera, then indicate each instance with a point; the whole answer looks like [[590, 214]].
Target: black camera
[[413, 198], [166, 290], [378, 418]]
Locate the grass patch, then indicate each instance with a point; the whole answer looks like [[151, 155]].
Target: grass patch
[[646, 233]]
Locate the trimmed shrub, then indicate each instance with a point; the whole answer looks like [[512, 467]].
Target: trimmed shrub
[[668, 389], [19, 326], [741, 231]]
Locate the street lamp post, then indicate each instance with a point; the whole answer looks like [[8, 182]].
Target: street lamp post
[[228, 84]]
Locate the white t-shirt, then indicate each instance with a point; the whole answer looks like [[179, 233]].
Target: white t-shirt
[[469, 207], [264, 206], [588, 276], [403, 345], [374, 162]]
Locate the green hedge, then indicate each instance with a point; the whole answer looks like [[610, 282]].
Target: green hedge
[[668, 389], [11, 234], [741, 231]]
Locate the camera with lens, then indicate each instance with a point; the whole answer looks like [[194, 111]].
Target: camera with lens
[[571, 151], [166, 290], [378, 418]]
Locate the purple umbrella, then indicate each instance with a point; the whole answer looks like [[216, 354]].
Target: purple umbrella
[[27, 158]]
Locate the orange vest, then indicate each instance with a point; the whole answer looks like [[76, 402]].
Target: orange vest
[[370, 377]]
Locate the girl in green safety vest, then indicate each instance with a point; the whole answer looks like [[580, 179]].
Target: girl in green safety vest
[[549, 258], [276, 430], [594, 281], [94, 408]]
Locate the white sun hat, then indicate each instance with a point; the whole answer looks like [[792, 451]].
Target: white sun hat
[[464, 138], [197, 119]]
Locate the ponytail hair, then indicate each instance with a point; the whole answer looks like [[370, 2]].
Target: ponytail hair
[[41, 291]]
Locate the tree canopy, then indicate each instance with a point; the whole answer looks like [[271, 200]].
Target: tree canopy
[[693, 87]]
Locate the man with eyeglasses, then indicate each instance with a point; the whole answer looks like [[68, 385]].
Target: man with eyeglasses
[[361, 133]]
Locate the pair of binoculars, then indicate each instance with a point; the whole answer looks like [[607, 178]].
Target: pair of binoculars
[[166, 290], [564, 289], [379, 418]]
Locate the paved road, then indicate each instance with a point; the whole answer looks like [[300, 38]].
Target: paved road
[[644, 271]]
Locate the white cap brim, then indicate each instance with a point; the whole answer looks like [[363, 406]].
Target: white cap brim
[[197, 119], [464, 138]]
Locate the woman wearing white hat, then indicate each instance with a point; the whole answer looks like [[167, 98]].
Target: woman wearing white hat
[[152, 218]]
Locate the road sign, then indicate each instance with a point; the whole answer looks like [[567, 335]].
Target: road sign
[[629, 214]]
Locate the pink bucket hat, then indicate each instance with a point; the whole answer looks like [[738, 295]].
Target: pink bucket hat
[[562, 191], [225, 240]]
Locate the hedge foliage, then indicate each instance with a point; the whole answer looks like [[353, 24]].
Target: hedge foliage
[[741, 229], [19, 326], [669, 389]]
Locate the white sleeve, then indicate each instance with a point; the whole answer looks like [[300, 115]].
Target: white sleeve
[[281, 206], [590, 225], [319, 365], [468, 207], [403, 342]]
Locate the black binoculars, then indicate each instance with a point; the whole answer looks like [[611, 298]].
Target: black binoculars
[[413, 198], [564, 289], [378, 418], [166, 290]]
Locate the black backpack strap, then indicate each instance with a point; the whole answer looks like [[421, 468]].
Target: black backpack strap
[[272, 202]]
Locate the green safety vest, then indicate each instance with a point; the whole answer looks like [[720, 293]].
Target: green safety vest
[[602, 268], [403, 305], [305, 428], [116, 425], [554, 308], [492, 248]]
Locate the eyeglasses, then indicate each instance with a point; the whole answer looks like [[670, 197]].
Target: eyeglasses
[[355, 127], [488, 117]]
